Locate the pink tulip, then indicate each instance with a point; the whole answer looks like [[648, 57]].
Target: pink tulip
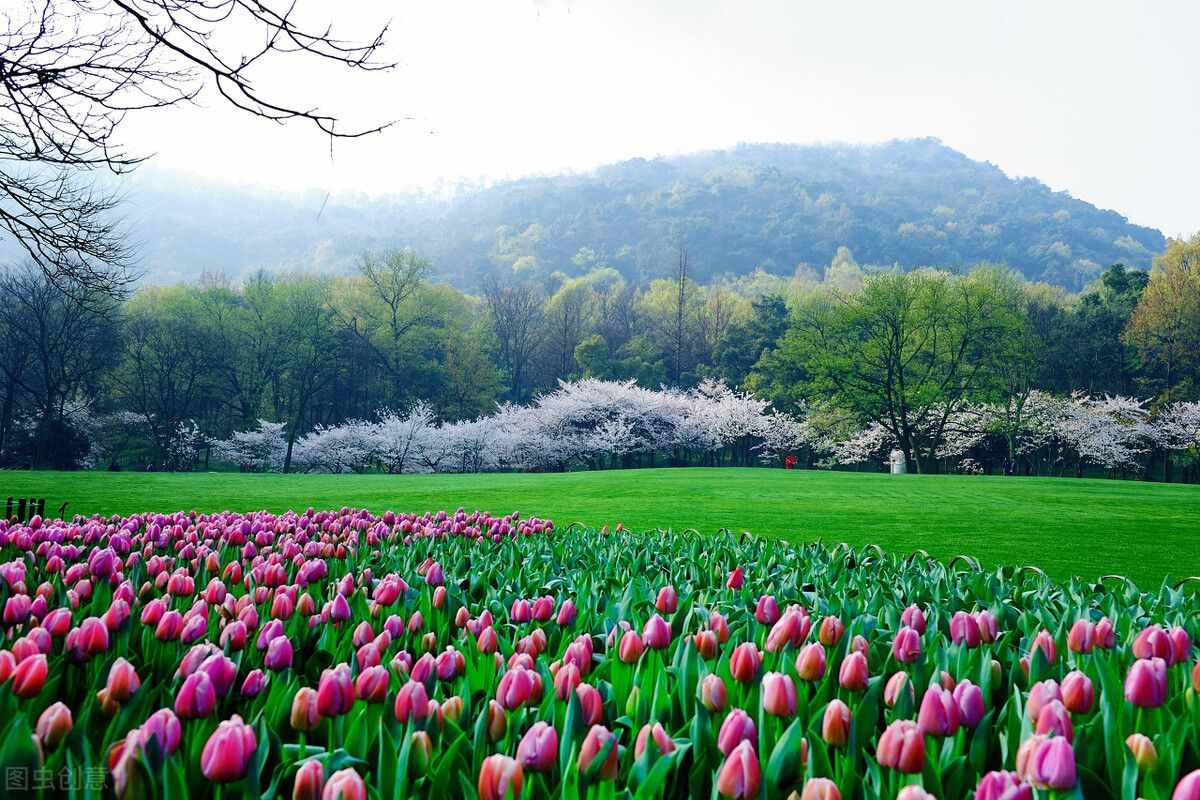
[[854, 673], [745, 662], [656, 634], [740, 775], [538, 749], [667, 601], [767, 610], [906, 647], [810, 662], [736, 728], [712, 692], [345, 784], [655, 731], [835, 724], [1188, 788], [939, 713], [902, 747], [913, 617], [969, 699], [1077, 692], [1053, 764], [500, 777], [335, 691], [778, 694], [597, 737], [196, 697], [228, 751], [1002, 786], [310, 780], [1146, 683]]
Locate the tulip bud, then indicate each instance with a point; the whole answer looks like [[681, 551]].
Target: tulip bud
[[655, 731], [123, 681], [902, 747], [712, 692], [310, 780], [854, 674], [939, 713], [825, 789], [594, 743], [897, 685], [835, 725], [736, 728], [906, 647], [1144, 753], [197, 697], [810, 662], [305, 715], [1053, 764], [500, 777], [29, 676], [228, 751], [969, 699], [1077, 692], [744, 662], [706, 644], [420, 750], [630, 648], [778, 694], [1146, 683], [538, 748], [54, 724], [740, 775], [345, 784]]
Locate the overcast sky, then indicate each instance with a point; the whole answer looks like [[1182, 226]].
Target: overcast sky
[[1098, 98]]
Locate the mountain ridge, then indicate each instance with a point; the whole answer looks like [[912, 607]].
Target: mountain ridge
[[774, 206]]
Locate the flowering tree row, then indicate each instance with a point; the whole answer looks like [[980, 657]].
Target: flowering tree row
[[593, 423]]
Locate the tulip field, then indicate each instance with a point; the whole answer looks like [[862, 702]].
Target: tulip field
[[343, 654]]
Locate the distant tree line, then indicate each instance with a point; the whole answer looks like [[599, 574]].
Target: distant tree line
[[147, 381]]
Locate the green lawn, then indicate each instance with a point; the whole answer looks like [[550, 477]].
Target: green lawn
[[1064, 525]]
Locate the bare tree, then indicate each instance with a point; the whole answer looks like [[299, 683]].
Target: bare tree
[[516, 314], [71, 72]]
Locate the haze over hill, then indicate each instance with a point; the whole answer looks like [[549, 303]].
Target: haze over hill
[[772, 206]]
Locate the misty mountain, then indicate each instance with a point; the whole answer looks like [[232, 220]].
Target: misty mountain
[[773, 206]]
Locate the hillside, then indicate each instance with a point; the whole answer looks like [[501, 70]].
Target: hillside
[[773, 206]]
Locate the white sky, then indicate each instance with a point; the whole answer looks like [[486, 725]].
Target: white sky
[[1099, 98]]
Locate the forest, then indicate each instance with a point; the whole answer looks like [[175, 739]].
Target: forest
[[863, 359]]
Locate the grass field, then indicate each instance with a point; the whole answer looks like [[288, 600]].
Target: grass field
[[1065, 526]]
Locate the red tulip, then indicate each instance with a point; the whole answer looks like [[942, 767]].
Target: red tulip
[[1039, 695], [896, 685], [736, 579], [597, 738], [1081, 636], [745, 662], [1154, 642], [123, 681], [1054, 718], [913, 617], [767, 610], [228, 752], [964, 630], [706, 644], [667, 601], [831, 631], [590, 703], [516, 687], [500, 777], [1001, 785], [1144, 753], [411, 701], [740, 775]]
